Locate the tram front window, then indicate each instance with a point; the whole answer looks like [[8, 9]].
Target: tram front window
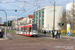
[[34, 27]]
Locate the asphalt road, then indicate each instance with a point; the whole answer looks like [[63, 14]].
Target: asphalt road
[[20, 42]]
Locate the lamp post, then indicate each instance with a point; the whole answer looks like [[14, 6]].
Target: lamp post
[[54, 18], [6, 23]]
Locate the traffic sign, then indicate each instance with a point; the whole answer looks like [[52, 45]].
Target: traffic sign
[[68, 29], [68, 33]]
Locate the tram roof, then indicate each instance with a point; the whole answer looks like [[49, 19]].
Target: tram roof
[[26, 24]]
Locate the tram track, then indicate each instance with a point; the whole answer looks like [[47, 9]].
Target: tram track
[[42, 41]]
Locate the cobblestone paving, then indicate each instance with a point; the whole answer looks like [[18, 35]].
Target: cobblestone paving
[[20, 42]]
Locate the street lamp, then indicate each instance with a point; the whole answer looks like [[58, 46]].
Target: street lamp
[[54, 18], [6, 23]]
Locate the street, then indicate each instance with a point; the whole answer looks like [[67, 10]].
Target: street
[[37, 25], [20, 42]]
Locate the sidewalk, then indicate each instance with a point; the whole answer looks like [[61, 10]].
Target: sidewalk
[[63, 37], [68, 37], [9, 36], [3, 38]]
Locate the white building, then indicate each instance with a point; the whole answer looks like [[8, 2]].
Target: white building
[[69, 10], [21, 21], [69, 6], [44, 17]]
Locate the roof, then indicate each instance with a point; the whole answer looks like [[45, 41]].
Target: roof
[[21, 18], [1, 24], [30, 16]]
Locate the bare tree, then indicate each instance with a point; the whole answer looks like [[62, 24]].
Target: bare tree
[[63, 19], [70, 14]]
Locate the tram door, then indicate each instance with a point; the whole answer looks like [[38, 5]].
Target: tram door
[[29, 30]]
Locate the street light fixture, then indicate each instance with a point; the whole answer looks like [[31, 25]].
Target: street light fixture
[[6, 23]]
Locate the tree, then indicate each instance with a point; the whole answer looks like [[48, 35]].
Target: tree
[[4, 23], [70, 14], [9, 23], [63, 19]]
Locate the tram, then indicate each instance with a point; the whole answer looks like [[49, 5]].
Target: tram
[[27, 30]]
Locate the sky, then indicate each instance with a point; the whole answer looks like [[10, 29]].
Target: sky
[[26, 7]]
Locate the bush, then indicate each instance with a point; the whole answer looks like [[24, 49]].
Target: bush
[[65, 31]]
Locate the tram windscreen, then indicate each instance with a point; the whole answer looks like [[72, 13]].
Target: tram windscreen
[[34, 27]]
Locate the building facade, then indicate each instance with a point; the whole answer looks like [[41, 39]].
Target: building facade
[[69, 6], [21, 21], [70, 10], [30, 18], [70, 13], [0, 20], [44, 17]]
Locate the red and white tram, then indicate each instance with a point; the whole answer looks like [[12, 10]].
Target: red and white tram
[[27, 30]]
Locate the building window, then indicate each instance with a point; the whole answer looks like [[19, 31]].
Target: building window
[[42, 23], [42, 19], [43, 26], [42, 15], [43, 9], [42, 12]]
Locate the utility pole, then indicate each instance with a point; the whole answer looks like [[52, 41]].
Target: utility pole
[[54, 17], [72, 17]]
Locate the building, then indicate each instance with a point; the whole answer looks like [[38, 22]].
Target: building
[[69, 9], [69, 6], [44, 17], [30, 18], [21, 21], [14, 24], [0, 20], [70, 12]]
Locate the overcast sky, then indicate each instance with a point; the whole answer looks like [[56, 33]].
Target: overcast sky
[[26, 7]]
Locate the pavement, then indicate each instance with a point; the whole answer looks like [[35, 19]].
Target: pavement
[[36, 43], [10, 36], [62, 37], [42, 42]]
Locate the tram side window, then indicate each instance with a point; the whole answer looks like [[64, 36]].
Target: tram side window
[[25, 29], [17, 29], [21, 29]]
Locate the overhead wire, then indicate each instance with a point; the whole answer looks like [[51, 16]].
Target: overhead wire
[[36, 4], [22, 1], [12, 5], [63, 3]]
